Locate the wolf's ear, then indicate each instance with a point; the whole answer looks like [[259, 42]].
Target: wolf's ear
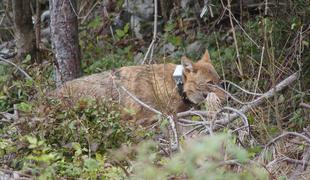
[[187, 64], [206, 57]]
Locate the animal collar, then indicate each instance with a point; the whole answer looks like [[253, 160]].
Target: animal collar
[[178, 78]]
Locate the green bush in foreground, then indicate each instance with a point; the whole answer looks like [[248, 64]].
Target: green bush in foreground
[[213, 157], [67, 142]]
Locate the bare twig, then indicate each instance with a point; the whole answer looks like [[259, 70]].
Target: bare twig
[[175, 140], [287, 159], [302, 167], [261, 99], [74, 10], [190, 131], [151, 47], [244, 118], [304, 105], [140, 102], [296, 161], [287, 134], [239, 65], [187, 122], [88, 13], [20, 69], [260, 69], [230, 95], [19, 173], [192, 112], [244, 90], [246, 34]]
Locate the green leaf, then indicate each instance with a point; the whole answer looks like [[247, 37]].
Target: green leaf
[[24, 107], [77, 147], [91, 164], [169, 27], [282, 178], [27, 59], [195, 118], [254, 150], [175, 40], [251, 119], [32, 140], [120, 33], [3, 97], [95, 23], [126, 28], [164, 123]]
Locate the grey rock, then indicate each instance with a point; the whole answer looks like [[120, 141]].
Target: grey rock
[[195, 47], [135, 24], [138, 58], [138, 13], [167, 49], [4, 51], [141, 8], [185, 3]]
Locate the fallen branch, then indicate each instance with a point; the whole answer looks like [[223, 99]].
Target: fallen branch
[[244, 118], [296, 161], [301, 167], [175, 140], [304, 105], [260, 99], [287, 134], [228, 118], [286, 159], [195, 112], [11, 172]]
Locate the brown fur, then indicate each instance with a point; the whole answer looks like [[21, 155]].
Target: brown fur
[[152, 84]]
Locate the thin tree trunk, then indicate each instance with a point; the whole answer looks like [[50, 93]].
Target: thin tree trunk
[[24, 33], [38, 29], [65, 40]]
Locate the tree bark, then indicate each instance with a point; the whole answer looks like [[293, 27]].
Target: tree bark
[[24, 33], [65, 40]]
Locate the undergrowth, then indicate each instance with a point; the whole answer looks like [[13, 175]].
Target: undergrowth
[[67, 141]]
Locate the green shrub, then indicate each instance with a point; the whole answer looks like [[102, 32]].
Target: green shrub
[[213, 157], [68, 141]]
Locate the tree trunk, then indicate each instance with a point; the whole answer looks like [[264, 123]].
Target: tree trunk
[[24, 33], [65, 40]]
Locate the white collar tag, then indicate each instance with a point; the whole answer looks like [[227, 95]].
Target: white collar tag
[[178, 75], [178, 78]]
